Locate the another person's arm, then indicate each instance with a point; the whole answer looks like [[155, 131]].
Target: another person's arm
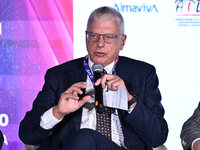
[[191, 131]]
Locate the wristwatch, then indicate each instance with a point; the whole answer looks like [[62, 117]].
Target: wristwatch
[[133, 100]]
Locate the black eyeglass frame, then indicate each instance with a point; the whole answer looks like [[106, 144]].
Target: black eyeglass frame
[[103, 35]]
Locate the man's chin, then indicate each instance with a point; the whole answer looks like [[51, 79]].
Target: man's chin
[[100, 60]]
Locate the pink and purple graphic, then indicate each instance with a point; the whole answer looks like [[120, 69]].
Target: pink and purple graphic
[[35, 35]]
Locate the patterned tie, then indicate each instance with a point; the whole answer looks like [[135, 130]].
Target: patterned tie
[[104, 122]]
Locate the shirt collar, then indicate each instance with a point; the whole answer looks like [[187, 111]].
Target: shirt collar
[[108, 68]]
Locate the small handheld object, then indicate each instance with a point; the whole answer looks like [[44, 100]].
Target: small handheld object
[[83, 94], [98, 72]]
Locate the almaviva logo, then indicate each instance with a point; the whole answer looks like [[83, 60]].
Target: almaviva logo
[[136, 8]]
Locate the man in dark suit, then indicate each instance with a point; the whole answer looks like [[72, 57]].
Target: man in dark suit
[[190, 133], [60, 119]]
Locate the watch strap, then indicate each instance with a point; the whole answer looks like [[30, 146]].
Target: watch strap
[[132, 101]]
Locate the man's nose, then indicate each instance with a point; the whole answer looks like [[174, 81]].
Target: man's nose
[[100, 42]]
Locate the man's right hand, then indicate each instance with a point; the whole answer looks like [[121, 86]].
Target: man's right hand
[[69, 100]]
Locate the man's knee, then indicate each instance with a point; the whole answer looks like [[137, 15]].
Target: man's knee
[[87, 135], [83, 139]]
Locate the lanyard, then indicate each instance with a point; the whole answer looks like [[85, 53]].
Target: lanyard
[[89, 72]]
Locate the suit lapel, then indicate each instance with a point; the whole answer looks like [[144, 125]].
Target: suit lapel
[[79, 74], [77, 118], [120, 71]]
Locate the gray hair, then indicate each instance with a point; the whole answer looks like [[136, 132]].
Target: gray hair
[[105, 12]]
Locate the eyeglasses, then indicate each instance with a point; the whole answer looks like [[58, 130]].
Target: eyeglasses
[[108, 38]]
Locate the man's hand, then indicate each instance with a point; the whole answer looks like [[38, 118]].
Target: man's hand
[[197, 145], [112, 81], [69, 100]]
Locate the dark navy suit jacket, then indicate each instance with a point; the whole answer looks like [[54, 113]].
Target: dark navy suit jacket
[[144, 128]]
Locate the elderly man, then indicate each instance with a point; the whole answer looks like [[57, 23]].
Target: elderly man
[[60, 118]]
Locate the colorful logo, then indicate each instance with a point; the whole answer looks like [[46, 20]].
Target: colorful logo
[[188, 13], [188, 7], [144, 8]]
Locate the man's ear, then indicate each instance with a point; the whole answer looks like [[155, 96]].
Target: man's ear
[[123, 41]]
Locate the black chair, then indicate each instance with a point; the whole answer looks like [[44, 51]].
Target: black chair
[[1, 139]]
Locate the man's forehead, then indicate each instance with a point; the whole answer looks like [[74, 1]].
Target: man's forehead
[[105, 17], [103, 22]]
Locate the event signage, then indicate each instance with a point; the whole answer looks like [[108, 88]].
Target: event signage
[[144, 8], [187, 6], [4, 121], [188, 12]]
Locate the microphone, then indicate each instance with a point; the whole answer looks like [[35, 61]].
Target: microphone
[[98, 72]]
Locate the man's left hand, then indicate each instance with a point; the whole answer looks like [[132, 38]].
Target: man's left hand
[[112, 82]]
